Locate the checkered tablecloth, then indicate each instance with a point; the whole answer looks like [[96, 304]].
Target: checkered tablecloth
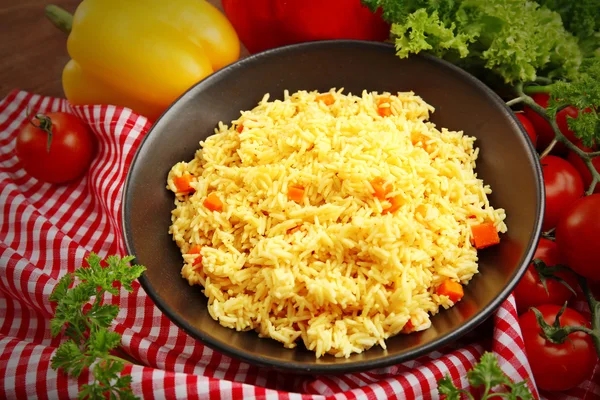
[[47, 230]]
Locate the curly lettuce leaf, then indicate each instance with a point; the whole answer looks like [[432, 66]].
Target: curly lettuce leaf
[[516, 39], [582, 18]]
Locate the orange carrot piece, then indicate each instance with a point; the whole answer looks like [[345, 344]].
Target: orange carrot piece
[[453, 290], [196, 250], [484, 235], [182, 183], [296, 193], [213, 203], [396, 203], [384, 111], [408, 327], [240, 128], [326, 98], [380, 188]]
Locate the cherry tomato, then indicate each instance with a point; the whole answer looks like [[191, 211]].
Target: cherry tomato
[[558, 367], [530, 291], [63, 158], [578, 236], [583, 170], [544, 131], [563, 186], [528, 127]]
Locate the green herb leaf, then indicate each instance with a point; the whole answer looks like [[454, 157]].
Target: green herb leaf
[[446, 387], [60, 290], [519, 390], [70, 358], [487, 372], [582, 92], [90, 340], [103, 315]]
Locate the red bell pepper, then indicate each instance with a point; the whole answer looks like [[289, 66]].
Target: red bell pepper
[[265, 24]]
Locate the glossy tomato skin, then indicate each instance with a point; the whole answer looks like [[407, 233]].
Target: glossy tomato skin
[[578, 236], [558, 367], [528, 127], [544, 131], [531, 293], [583, 170], [563, 186], [71, 150], [266, 24]]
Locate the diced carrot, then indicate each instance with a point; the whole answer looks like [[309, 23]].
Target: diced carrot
[[484, 235], [240, 128], [213, 203], [196, 250], [408, 327], [182, 183], [396, 203], [326, 98], [452, 289], [416, 137], [296, 193], [380, 188], [384, 111]]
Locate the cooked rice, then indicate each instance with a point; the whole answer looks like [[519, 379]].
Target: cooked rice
[[334, 271]]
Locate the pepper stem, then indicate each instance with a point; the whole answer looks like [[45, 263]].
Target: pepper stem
[[60, 17]]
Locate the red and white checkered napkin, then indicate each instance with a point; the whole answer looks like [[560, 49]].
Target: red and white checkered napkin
[[47, 230]]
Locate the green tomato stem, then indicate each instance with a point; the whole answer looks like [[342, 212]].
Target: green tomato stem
[[514, 101], [533, 89], [548, 149], [594, 309]]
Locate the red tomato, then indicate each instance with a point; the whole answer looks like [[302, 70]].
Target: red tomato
[[530, 291], [265, 24], [583, 170], [544, 131], [528, 127], [558, 367], [72, 147], [578, 236], [563, 186]]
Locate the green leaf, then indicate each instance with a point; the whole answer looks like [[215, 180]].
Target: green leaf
[[90, 338], [117, 270], [70, 359], [60, 290], [514, 39], [102, 315], [582, 92], [446, 387], [102, 341], [519, 390], [487, 372]]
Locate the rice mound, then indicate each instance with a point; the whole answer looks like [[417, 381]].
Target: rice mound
[[334, 270]]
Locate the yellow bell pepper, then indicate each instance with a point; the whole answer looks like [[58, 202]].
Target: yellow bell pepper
[[142, 54]]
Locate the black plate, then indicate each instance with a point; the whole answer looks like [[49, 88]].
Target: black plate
[[507, 162]]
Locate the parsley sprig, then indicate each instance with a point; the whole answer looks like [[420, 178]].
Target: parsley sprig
[[85, 321], [487, 375]]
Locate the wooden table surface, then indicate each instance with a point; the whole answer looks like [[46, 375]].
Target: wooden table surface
[[33, 52]]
